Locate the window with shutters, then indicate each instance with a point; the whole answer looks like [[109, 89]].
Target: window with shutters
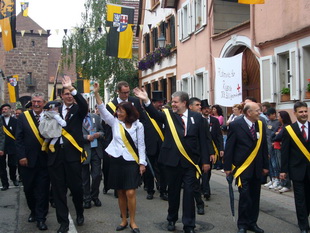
[[155, 38], [186, 84], [304, 65], [147, 43], [199, 14], [184, 21], [170, 35], [287, 62]]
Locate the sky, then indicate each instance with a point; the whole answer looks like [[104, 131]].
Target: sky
[[55, 14]]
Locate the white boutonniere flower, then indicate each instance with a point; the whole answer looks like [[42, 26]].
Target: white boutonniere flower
[[257, 135]]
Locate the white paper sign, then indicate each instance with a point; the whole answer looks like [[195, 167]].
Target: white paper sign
[[228, 80]]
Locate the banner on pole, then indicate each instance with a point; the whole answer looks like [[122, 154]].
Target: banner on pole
[[228, 80]]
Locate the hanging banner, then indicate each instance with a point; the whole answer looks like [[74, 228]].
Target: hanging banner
[[13, 88], [8, 23], [24, 8], [228, 80], [120, 36]]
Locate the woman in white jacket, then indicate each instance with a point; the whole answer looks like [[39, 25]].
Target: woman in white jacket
[[127, 151]]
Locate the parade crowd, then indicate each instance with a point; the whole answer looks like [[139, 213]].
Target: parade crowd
[[61, 149]]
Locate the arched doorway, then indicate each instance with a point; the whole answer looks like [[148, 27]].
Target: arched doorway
[[250, 74]]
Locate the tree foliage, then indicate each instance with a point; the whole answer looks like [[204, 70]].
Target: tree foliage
[[85, 48]]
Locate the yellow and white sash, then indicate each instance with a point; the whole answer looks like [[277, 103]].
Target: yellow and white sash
[[33, 127], [298, 142], [179, 143], [251, 157]]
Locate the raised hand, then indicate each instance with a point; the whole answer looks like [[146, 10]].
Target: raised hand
[[141, 94], [66, 82], [96, 87]]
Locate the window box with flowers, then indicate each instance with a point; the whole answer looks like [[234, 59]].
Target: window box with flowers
[[307, 94], [285, 94], [151, 59]]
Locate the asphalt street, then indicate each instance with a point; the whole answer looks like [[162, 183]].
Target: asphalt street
[[277, 213]]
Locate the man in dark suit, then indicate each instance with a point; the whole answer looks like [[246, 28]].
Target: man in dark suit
[[123, 95], [183, 128], [9, 124], [33, 161], [217, 143], [246, 149], [64, 165], [2, 141], [295, 161], [153, 142], [93, 145]]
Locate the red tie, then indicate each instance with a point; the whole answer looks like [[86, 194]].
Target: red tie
[[303, 132], [67, 114], [252, 129], [183, 123]]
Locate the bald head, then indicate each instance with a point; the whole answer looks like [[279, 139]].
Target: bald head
[[252, 110]]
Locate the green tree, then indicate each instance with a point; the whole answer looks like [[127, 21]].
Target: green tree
[[86, 46]]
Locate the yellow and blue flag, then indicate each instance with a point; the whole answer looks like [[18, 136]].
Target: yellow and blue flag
[[24, 7], [120, 35], [8, 23]]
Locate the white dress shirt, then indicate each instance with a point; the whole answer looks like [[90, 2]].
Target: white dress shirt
[[117, 147]]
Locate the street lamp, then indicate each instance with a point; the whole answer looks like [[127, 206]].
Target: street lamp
[[161, 41]]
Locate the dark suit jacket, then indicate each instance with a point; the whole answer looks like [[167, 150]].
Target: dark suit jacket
[[292, 160], [216, 133], [194, 141], [2, 137], [152, 139], [96, 122], [77, 113], [240, 144], [27, 145], [9, 147]]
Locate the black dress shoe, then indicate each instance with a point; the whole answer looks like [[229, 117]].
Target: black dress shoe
[[41, 226], [63, 229], [149, 196], [97, 202], [171, 226], [80, 220], [4, 188], [87, 205], [189, 230], [242, 230], [120, 227], [256, 229], [164, 196], [31, 218], [207, 196], [135, 230], [200, 210], [16, 183]]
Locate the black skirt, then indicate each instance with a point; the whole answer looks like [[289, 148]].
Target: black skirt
[[123, 175]]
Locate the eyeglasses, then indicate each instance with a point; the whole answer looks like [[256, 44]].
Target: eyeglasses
[[36, 101], [68, 93]]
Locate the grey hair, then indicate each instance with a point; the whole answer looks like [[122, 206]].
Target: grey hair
[[183, 96], [38, 94]]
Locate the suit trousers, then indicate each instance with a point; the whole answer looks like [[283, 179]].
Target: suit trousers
[[36, 187], [302, 202], [176, 176], [66, 175], [93, 170], [249, 197], [206, 190], [12, 164]]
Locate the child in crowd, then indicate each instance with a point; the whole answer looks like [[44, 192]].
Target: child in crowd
[[51, 125]]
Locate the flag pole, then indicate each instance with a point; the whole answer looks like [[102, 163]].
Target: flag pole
[[53, 93]]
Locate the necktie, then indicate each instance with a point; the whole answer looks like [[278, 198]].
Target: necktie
[[67, 114], [37, 118], [253, 132], [183, 123], [303, 132]]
